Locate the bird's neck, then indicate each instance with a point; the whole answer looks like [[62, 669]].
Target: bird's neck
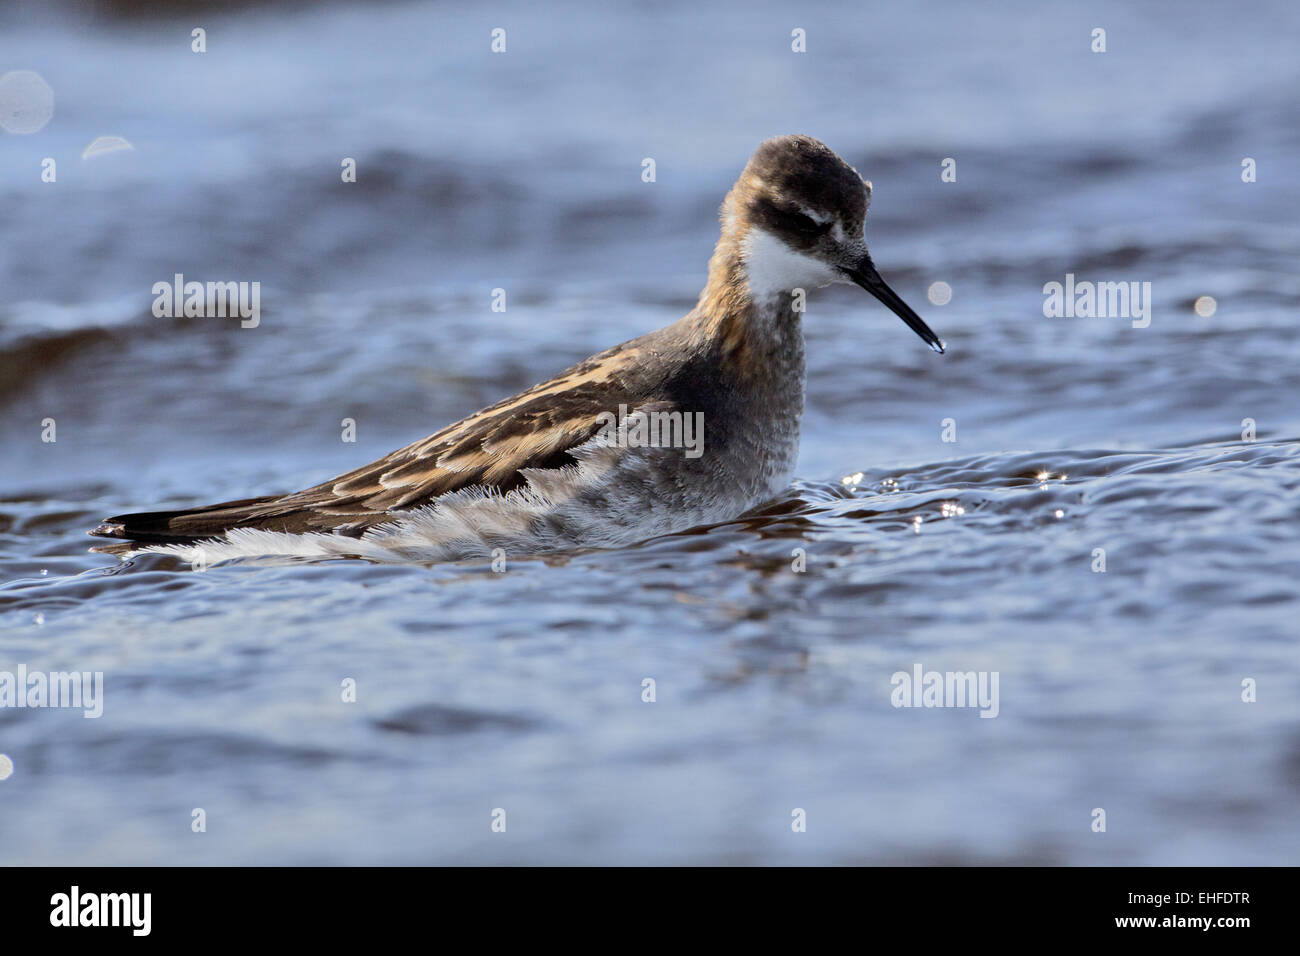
[[757, 331]]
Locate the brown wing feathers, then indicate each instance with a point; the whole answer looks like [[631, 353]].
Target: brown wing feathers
[[532, 430]]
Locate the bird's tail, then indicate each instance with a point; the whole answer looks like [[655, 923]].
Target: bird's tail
[[188, 525]]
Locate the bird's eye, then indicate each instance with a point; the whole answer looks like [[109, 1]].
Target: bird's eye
[[808, 225]]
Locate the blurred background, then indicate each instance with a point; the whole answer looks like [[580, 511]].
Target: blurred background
[[522, 170]]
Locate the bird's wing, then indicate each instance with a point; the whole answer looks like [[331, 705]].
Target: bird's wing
[[490, 449]]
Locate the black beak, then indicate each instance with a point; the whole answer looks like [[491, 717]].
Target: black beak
[[866, 276]]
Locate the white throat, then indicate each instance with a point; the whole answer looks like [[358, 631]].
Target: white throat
[[774, 269]]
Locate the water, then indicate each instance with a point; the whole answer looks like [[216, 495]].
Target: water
[[478, 690]]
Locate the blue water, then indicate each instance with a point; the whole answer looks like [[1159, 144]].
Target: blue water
[[522, 690]]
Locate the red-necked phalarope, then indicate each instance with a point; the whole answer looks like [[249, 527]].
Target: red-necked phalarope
[[570, 463]]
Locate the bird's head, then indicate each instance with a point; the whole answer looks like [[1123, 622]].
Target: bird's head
[[796, 217]]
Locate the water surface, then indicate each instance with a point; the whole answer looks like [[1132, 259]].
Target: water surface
[[523, 690]]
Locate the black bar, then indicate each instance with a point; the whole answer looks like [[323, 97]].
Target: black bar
[[303, 905]]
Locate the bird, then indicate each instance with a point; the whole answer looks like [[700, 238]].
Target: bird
[[575, 462]]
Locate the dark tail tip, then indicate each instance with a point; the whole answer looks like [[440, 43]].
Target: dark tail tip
[[185, 526], [150, 527]]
